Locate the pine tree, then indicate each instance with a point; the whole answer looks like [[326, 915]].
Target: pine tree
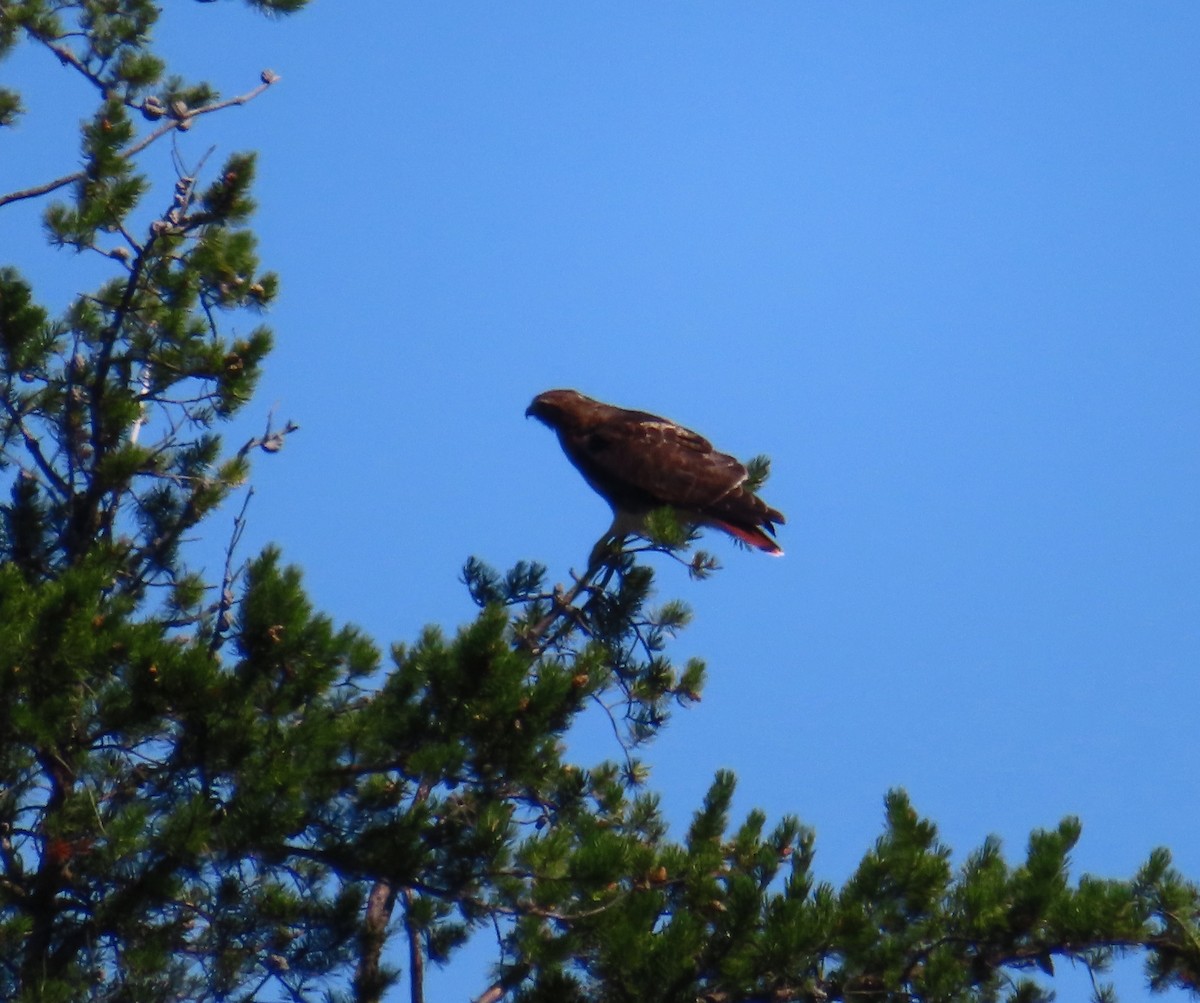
[[208, 791]]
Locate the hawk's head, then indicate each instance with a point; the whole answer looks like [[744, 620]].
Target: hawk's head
[[563, 408]]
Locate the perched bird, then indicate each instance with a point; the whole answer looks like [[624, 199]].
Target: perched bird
[[638, 462]]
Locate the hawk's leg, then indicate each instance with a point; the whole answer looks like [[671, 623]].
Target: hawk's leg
[[606, 551]]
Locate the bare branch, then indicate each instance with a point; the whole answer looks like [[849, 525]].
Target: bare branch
[[225, 603]]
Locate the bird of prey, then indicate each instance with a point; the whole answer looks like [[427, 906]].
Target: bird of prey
[[639, 462]]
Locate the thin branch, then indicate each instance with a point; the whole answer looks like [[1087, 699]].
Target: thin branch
[[1097, 994], [225, 604], [182, 123], [108, 342], [67, 56], [541, 912], [616, 730], [35, 450]]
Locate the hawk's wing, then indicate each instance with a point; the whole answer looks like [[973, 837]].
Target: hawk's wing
[[639, 453]]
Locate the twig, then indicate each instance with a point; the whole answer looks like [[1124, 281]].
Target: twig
[[616, 731], [227, 578]]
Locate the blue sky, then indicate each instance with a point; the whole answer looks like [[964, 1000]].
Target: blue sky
[[941, 262]]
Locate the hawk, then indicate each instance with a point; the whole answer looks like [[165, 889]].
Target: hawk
[[638, 462]]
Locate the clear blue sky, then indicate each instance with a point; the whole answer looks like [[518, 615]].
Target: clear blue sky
[[940, 261]]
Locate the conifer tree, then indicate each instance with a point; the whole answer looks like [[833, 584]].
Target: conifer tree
[[210, 792]]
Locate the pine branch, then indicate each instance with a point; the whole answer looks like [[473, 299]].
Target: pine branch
[[604, 557], [182, 124]]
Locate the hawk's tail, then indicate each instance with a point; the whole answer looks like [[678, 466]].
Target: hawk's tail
[[746, 517], [753, 536]]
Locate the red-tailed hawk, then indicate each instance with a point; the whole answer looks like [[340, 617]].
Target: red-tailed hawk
[[638, 462]]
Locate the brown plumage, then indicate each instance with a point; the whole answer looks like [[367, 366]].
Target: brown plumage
[[638, 462]]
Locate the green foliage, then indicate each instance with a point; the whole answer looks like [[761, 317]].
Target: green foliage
[[758, 469], [155, 789], [208, 791], [10, 106], [740, 916]]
